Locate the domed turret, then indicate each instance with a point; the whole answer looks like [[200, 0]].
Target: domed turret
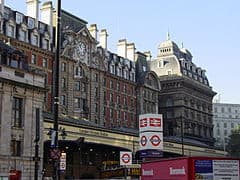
[[167, 47]]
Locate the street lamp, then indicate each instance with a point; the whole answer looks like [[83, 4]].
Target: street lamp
[[56, 87]]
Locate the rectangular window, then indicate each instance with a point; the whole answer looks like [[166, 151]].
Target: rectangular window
[[118, 99], [96, 77], [16, 148], [64, 67], [22, 35], [17, 110], [63, 100], [63, 83], [77, 102], [84, 87], [34, 40], [34, 59], [118, 86], [111, 97], [77, 86], [45, 44], [225, 125], [111, 84], [96, 107], [10, 31], [104, 81], [45, 63], [96, 91]]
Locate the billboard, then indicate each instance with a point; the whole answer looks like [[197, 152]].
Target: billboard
[[216, 169]]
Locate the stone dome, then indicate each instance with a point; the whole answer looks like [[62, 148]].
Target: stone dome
[[167, 44]]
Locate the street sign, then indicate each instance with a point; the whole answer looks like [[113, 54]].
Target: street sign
[[55, 153], [125, 158], [150, 122], [62, 162], [151, 140]]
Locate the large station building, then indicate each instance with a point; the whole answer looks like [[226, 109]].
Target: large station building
[[102, 93]]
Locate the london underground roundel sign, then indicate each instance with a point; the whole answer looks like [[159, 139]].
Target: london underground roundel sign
[[125, 158], [155, 140], [143, 141]]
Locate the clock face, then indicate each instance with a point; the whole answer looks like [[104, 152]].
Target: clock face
[[81, 48]]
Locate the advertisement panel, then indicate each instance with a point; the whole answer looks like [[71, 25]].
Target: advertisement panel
[[216, 169], [226, 169], [151, 140], [167, 170], [150, 122]]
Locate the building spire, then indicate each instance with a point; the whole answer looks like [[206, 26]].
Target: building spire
[[182, 45], [168, 35]]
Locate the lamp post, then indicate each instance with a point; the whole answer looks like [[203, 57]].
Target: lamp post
[[182, 135], [56, 86]]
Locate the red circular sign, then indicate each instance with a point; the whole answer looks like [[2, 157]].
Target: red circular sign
[[155, 140], [143, 140], [125, 158]]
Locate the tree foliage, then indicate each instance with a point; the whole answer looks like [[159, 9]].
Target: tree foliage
[[233, 146]]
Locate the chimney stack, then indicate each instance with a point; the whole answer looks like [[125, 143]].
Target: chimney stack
[[148, 55], [93, 31], [33, 9], [122, 48], [131, 51], [103, 38], [47, 13]]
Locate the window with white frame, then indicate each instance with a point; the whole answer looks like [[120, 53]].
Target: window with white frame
[[161, 64], [45, 43], [79, 71], [16, 147], [22, 35], [77, 86], [11, 30], [19, 18], [17, 112], [77, 102], [45, 62], [63, 100], [34, 59], [34, 40], [64, 67]]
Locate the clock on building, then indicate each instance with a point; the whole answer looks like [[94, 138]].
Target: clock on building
[[81, 48]]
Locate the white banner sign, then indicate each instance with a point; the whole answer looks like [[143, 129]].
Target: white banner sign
[[62, 162], [150, 122], [151, 140], [125, 158]]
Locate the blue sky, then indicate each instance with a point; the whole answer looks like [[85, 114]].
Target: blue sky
[[209, 29]]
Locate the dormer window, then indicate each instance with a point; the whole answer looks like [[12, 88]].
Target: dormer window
[[30, 23], [19, 18], [22, 35], [11, 30], [161, 64], [45, 44], [34, 40]]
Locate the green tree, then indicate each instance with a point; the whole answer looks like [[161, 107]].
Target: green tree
[[233, 146]]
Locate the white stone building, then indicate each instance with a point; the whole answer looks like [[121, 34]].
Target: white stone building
[[226, 117], [21, 96]]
